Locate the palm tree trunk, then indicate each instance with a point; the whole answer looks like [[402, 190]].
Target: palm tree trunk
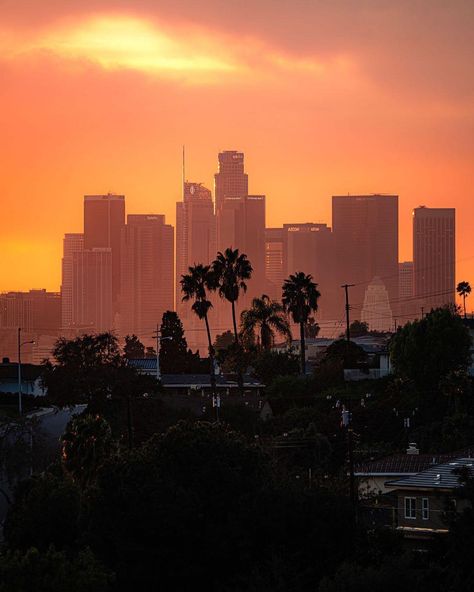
[[211, 365], [236, 336], [464, 302], [302, 347]]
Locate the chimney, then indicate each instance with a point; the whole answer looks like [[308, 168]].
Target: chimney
[[412, 448]]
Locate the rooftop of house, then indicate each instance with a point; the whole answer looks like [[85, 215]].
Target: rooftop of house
[[406, 464], [441, 476], [9, 371]]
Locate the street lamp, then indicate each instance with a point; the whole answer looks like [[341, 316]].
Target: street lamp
[[20, 345]]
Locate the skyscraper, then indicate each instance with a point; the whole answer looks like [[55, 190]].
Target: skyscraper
[[92, 290], [72, 243], [365, 231], [195, 243], [407, 307], [275, 271], [377, 312], [308, 248], [230, 181], [147, 274], [434, 256], [104, 218]]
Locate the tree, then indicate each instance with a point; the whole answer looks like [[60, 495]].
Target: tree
[[173, 345], [265, 318], [231, 270], [223, 340], [268, 365], [300, 298], [133, 348], [85, 369], [311, 330], [53, 571], [464, 289], [431, 348], [150, 352], [358, 328], [86, 444], [195, 286]]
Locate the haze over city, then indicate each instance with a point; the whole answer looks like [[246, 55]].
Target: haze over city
[[323, 98]]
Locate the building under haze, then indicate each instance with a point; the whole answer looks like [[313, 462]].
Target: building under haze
[[92, 272], [365, 231], [104, 218], [274, 262], [376, 311], [231, 180], [147, 274], [72, 243], [434, 256], [195, 235]]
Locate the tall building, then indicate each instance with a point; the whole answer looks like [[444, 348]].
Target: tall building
[[275, 272], [36, 311], [104, 218], [365, 231], [195, 231], [376, 311], [434, 256], [230, 181], [308, 248], [405, 280], [92, 290], [72, 243], [147, 274]]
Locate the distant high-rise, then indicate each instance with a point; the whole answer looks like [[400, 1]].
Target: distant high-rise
[[92, 290], [308, 248], [36, 311], [195, 231], [376, 311], [147, 274], [365, 231], [104, 218], [274, 262], [405, 280], [72, 243], [434, 256], [230, 181]]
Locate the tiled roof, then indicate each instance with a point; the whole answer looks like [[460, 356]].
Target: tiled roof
[[399, 464], [441, 476]]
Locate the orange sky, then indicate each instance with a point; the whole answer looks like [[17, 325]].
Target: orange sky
[[323, 97]]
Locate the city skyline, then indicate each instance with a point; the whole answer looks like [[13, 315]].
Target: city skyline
[[343, 97]]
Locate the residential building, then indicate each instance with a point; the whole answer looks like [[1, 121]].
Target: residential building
[[434, 256]]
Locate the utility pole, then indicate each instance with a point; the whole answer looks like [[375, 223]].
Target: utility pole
[[158, 373], [19, 372], [422, 312], [348, 330]]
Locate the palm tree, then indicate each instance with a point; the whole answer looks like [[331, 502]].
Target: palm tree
[[230, 270], [300, 299], [464, 289], [267, 317], [195, 286]]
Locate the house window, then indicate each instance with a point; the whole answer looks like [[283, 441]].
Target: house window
[[425, 508], [410, 508]]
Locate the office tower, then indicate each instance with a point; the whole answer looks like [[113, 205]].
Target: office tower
[[405, 280], [434, 256], [230, 181], [92, 290], [365, 231], [147, 274], [308, 248], [376, 311], [195, 231], [72, 243], [254, 242], [36, 311], [104, 218], [275, 272]]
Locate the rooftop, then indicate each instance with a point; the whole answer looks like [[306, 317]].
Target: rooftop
[[442, 476]]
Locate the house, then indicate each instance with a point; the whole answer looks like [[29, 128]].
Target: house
[[372, 475], [30, 378], [423, 499]]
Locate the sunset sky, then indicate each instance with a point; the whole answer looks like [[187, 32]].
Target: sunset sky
[[323, 96]]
